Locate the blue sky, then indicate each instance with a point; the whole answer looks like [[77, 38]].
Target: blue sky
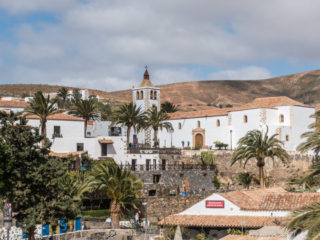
[[106, 44]]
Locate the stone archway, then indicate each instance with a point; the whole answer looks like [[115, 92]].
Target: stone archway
[[198, 136]]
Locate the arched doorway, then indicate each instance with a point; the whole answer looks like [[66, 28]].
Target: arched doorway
[[199, 140]]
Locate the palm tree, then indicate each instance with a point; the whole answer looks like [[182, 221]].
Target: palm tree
[[42, 107], [130, 116], [259, 146], [86, 109], [63, 94], [313, 137], [169, 107], [157, 120], [305, 219], [120, 186]]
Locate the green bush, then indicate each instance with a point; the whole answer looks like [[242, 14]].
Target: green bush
[[216, 182], [187, 148], [234, 231], [200, 236], [220, 145], [197, 147], [208, 158], [245, 179]]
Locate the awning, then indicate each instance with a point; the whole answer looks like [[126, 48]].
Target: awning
[[104, 140]]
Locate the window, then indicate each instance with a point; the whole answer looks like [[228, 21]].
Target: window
[[198, 124], [104, 149], [148, 164], [155, 95], [179, 125], [137, 95], [133, 164], [141, 95], [218, 123], [151, 94], [245, 118], [56, 131], [156, 178], [281, 118], [80, 147], [287, 138]]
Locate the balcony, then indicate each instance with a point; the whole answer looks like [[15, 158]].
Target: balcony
[[169, 167], [175, 151], [57, 135]]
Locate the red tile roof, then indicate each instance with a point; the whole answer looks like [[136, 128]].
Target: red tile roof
[[274, 199], [270, 102], [67, 154], [13, 104], [246, 237], [58, 116], [220, 221], [202, 113]]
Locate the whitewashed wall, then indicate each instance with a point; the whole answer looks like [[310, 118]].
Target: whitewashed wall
[[229, 209], [11, 109]]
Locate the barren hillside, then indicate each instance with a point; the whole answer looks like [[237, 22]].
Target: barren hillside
[[304, 87]]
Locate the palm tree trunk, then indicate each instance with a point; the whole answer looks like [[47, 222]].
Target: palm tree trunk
[[43, 130], [85, 127], [128, 135], [155, 136], [115, 212], [31, 233], [261, 177]]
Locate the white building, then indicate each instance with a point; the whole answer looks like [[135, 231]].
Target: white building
[[280, 115], [83, 92], [145, 97], [12, 105], [245, 209]]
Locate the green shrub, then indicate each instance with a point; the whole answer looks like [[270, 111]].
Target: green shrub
[[187, 148], [216, 182], [220, 145], [234, 231], [197, 147], [208, 158], [200, 236], [245, 179]]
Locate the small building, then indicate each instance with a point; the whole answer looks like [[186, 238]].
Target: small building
[[12, 105], [242, 210]]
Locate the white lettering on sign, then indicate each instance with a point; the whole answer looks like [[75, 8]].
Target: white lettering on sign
[[214, 204]]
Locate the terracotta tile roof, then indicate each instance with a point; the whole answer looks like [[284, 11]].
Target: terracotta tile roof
[[104, 140], [246, 237], [221, 221], [270, 102], [202, 113], [66, 154], [274, 199], [58, 116], [13, 104]]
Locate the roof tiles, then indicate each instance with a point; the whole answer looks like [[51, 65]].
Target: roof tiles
[[57, 116], [13, 104]]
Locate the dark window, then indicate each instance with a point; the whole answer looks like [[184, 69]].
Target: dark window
[[104, 149], [181, 174], [148, 164], [56, 131], [133, 164], [80, 147], [116, 131], [156, 178], [152, 192], [163, 165], [218, 123], [245, 118], [198, 124]]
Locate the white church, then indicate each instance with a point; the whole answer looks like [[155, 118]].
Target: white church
[[280, 115]]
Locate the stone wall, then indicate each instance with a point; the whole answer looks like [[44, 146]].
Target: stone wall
[[279, 174], [160, 207]]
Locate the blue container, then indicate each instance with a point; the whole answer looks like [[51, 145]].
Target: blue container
[[184, 194], [63, 226], [46, 230], [77, 224], [25, 236]]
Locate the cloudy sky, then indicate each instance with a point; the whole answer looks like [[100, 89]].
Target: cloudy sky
[[105, 44]]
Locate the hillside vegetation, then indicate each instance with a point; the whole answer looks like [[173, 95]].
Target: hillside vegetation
[[303, 87]]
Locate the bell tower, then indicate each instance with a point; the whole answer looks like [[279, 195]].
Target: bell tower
[[146, 96]]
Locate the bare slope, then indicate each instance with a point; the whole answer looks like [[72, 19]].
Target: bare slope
[[303, 87]]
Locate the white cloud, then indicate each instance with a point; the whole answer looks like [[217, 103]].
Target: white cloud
[[246, 73], [105, 44]]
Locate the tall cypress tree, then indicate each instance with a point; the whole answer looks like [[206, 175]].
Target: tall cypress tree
[[32, 185]]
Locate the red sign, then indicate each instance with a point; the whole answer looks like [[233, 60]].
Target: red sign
[[214, 204]]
